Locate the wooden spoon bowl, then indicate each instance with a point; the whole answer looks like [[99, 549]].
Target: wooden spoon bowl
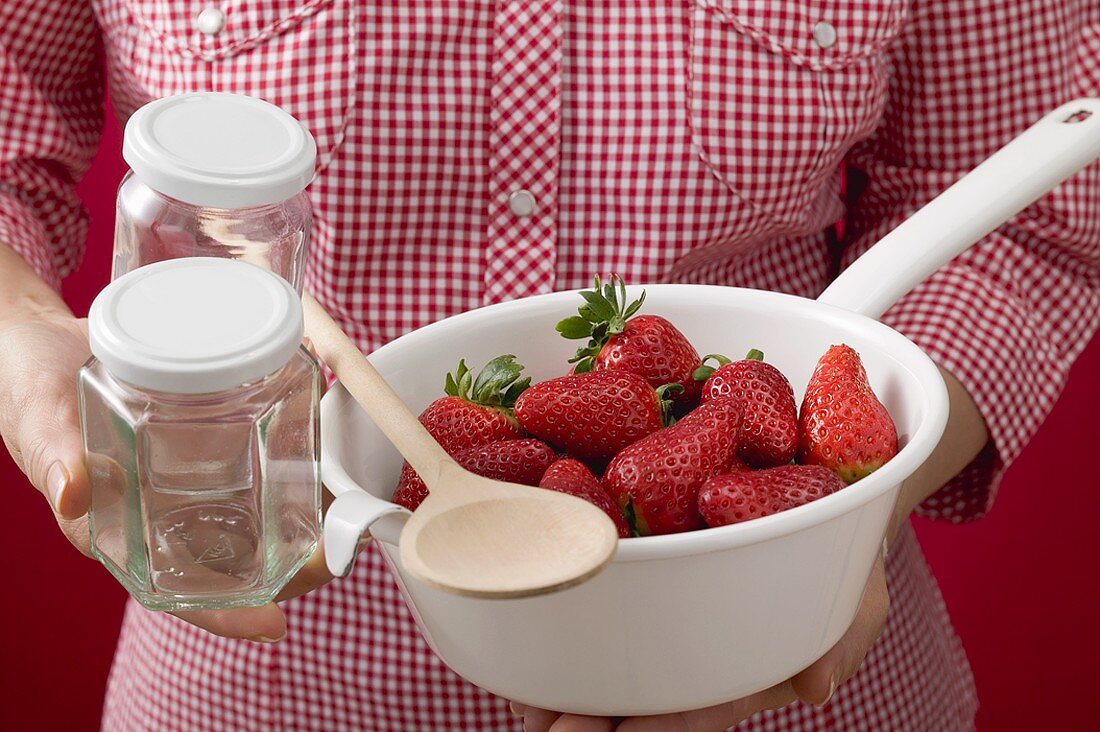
[[472, 535]]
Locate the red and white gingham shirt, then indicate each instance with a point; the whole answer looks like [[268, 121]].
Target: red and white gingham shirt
[[679, 140]]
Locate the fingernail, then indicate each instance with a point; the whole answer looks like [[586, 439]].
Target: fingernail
[[514, 709], [57, 479], [832, 690], [266, 639], [885, 548]]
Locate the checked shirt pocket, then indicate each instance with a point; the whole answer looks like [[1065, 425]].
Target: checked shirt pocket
[[779, 90], [298, 54]]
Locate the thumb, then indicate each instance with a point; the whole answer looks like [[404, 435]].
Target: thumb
[[51, 453], [816, 684]]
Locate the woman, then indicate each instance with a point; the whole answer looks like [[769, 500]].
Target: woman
[[472, 152]]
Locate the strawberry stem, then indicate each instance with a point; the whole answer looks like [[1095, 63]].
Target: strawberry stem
[[703, 372], [754, 354], [664, 398], [631, 518]]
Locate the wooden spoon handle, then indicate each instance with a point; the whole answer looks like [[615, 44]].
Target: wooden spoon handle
[[372, 392]]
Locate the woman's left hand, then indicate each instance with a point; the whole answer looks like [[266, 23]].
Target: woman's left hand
[[962, 440], [814, 685]]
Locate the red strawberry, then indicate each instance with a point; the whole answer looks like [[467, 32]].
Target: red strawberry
[[567, 475], [734, 497], [843, 424], [656, 480], [647, 345], [736, 466], [593, 415], [516, 461], [477, 411], [769, 426]]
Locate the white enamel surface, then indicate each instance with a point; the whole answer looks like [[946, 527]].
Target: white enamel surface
[[1014, 177], [673, 622], [219, 150], [196, 325]]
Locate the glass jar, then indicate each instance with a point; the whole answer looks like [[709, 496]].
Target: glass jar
[[215, 175], [199, 411]]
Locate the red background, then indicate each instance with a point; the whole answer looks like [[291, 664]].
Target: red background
[[1020, 584]]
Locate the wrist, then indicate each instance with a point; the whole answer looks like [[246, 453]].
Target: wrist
[[24, 297], [963, 439], [20, 310]]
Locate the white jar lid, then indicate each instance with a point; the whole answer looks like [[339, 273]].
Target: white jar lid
[[219, 150], [195, 326]]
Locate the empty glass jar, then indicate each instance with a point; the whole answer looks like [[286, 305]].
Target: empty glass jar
[[199, 414], [215, 175]]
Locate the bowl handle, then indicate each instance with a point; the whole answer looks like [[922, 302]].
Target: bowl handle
[[1047, 153], [348, 519]]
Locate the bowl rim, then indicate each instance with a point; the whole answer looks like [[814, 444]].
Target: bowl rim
[[933, 404]]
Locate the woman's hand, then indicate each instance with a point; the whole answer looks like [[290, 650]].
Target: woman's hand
[[814, 685], [40, 355], [963, 439], [42, 346]]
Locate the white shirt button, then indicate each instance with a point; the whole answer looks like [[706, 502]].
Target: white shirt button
[[521, 203], [211, 21], [825, 34]]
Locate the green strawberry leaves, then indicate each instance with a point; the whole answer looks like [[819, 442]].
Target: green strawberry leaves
[[497, 385], [458, 383], [603, 314], [575, 328], [631, 518]]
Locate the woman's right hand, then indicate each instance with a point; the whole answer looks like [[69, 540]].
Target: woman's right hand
[[40, 355]]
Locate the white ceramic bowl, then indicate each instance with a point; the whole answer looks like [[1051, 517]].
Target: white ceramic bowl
[[674, 622]]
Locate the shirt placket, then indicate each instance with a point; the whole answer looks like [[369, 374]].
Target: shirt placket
[[525, 119]]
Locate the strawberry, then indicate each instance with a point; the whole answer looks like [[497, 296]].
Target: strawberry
[[477, 411], [647, 345], [736, 466], [843, 425], [592, 415], [515, 461], [656, 480], [769, 426], [567, 475], [734, 497]]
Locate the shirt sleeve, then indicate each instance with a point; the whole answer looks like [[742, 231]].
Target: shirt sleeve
[[1009, 316], [51, 113]]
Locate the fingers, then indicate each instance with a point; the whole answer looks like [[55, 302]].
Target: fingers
[[579, 723], [542, 720], [816, 684], [312, 575], [712, 719], [538, 720], [263, 624], [39, 417], [266, 623], [47, 445]]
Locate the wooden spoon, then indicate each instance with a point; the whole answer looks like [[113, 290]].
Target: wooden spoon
[[472, 535]]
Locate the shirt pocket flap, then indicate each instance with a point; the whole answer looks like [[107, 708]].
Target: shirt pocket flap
[[243, 23], [818, 34]]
